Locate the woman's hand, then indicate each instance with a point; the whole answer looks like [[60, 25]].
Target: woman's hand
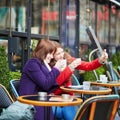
[[103, 58], [61, 64], [75, 63]]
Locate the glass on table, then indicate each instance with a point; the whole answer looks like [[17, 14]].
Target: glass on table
[[42, 95], [86, 85]]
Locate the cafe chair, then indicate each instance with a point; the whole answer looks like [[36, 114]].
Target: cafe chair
[[113, 72], [117, 74], [91, 58], [103, 107], [5, 98], [14, 85], [75, 80]]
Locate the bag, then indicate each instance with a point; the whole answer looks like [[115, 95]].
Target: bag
[[18, 111]]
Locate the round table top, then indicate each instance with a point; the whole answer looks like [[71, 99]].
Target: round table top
[[108, 84], [92, 90], [51, 100]]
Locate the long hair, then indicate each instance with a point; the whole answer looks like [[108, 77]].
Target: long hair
[[67, 56], [42, 49]]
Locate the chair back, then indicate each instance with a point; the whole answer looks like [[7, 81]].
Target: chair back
[[103, 107], [75, 80], [113, 75], [5, 98], [14, 85]]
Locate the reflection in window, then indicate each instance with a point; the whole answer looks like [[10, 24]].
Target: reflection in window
[[13, 15], [85, 20], [117, 26], [68, 25], [102, 23], [45, 17]]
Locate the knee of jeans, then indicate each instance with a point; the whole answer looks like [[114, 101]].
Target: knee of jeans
[[57, 112], [69, 112]]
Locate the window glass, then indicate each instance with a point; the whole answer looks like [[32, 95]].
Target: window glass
[[102, 23], [16, 21], [118, 26], [68, 28], [115, 25], [86, 19], [45, 17], [44, 20]]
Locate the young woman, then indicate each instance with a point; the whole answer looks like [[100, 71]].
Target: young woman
[[64, 79], [38, 76]]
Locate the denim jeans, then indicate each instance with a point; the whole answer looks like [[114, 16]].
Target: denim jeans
[[65, 113]]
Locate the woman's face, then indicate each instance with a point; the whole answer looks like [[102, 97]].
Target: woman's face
[[59, 54], [49, 57]]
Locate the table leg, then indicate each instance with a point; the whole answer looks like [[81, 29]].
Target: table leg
[[46, 113]]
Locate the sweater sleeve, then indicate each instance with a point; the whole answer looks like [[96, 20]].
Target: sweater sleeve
[[64, 76], [88, 66]]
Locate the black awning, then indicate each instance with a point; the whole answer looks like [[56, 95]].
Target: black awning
[[101, 1], [114, 2]]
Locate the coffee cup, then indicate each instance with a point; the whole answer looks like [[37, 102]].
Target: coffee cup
[[42, 95], [64, 64], [86, 85], [66, 96], [103, 78]]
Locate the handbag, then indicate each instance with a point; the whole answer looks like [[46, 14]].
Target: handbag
[[18, 111]]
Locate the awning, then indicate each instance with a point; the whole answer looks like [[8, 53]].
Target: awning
[[116, 2]]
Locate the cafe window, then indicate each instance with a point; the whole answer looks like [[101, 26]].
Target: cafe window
[[13, 15], [117, 26], [45, 17], [102, 23], [84, 20]]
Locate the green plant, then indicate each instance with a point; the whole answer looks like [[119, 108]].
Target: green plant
[[116, 60], [4, 69], [89, 75], [15, 75], [5, 74]]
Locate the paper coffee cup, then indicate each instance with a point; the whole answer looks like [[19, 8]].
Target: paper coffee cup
[[86, 85], [103, 78], [64, 64]]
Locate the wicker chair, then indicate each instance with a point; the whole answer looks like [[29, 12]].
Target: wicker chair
[[5, 98], [102, 107]]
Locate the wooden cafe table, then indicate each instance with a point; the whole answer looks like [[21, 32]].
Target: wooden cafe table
[[94, 90], [49, 102], [109, 84]]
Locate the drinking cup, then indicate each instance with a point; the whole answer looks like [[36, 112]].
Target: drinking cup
[[103, 78], [66, 96], [42, 95], [86, 85], [64, 64]]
